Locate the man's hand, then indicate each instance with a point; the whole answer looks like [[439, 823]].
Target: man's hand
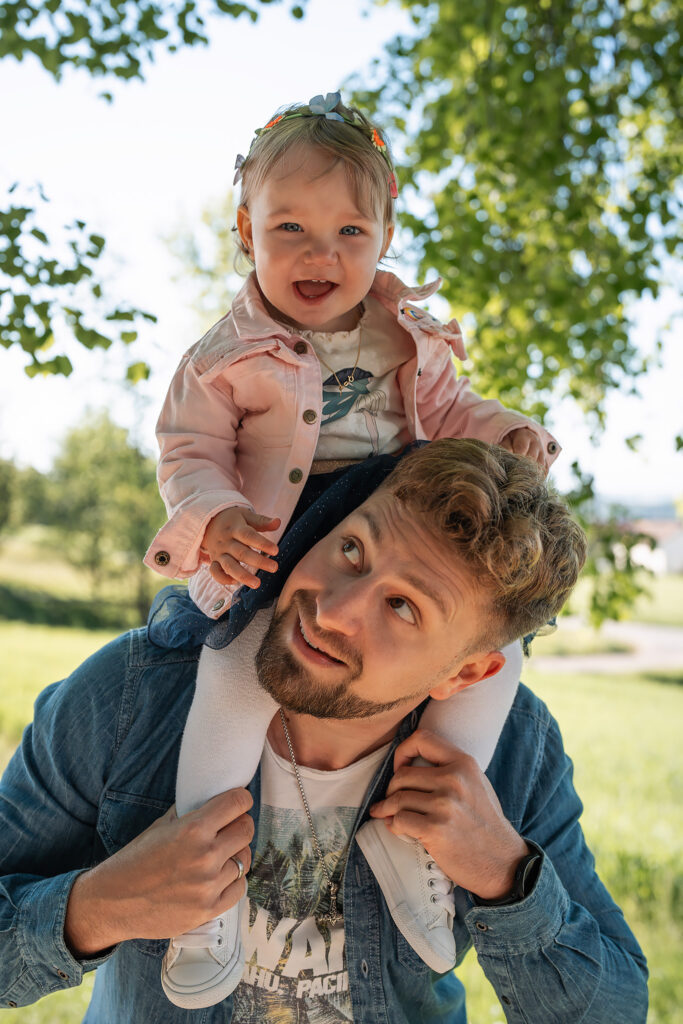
[[173, 877], [233, 540], [523, 441], [451, 808]]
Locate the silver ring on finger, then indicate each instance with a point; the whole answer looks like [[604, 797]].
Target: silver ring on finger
[[240, 867]]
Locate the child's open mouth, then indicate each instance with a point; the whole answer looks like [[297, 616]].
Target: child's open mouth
[[314, 289]]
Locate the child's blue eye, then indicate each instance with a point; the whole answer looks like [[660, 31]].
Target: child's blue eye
[[289, 225], [349, 229]]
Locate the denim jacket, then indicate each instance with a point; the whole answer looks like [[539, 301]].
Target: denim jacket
[[98, 765]]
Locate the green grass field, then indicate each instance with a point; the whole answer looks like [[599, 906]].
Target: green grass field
[[623, 735]]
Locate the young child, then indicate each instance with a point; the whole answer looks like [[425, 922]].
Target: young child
[[322, 361]]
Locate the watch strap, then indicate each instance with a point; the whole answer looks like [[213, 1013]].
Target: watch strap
[[526, 874]]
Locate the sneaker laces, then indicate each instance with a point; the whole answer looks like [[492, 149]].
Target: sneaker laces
[[204, 937], [442, 888]]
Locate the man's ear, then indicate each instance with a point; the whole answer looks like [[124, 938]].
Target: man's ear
[[472, 671], [244, 228]]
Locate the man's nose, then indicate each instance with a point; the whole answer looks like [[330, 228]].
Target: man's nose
[[344, 607]]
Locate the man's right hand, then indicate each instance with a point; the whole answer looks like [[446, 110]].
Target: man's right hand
[[173, 877]]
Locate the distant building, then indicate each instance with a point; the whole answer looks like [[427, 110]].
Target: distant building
[[667, 555]]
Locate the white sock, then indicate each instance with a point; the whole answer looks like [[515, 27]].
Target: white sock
[[228, 720], [473, 719]]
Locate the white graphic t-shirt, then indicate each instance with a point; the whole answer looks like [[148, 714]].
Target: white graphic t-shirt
[[367, 416], [295, 969]]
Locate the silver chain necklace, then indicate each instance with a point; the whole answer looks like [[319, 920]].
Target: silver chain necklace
[[333, 915]]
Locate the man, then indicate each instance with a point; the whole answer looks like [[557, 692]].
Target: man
[[411, 595]]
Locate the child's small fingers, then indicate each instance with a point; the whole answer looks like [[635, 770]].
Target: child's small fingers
[[251, 539], [233, 572], [252, 558], [219, 575], [259, 522]]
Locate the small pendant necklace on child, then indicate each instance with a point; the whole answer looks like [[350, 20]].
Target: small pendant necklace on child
[[352, 376]]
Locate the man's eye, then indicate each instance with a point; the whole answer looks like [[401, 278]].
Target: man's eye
[[349, 229], [402, 609], [290, 225], [351, 550]]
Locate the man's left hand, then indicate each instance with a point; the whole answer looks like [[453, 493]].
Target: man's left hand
[[451, 808]]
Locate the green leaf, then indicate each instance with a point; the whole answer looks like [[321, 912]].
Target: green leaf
[[137, 372]]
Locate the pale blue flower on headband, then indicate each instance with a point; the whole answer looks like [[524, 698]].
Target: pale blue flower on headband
[[238, 168], [325, 105]]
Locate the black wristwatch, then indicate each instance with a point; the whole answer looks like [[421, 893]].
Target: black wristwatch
[[526, 874]]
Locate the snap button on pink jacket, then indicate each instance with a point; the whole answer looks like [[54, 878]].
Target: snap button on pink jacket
[[237, 426]]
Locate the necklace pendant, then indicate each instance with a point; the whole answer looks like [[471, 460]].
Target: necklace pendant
[[333, 915]]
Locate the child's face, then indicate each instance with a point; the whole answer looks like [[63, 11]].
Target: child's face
[[315, 253]]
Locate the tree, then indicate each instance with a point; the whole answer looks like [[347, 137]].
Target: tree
[[106, 504], [7, 489], [45, 294], [541, 177]]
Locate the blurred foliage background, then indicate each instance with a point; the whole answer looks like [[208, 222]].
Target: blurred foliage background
[[538, 149]]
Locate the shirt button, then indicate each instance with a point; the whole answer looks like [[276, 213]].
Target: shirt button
[[218, 605], [552, 447], [296, 476], [481, 926], [506, 1000], [300, 348], [162, 558], [62, 975], [11, 1003], [364, 967], [310, 416]]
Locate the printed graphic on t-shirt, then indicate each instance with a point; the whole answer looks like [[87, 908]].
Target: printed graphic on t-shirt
[[356, 396], [295, 964]]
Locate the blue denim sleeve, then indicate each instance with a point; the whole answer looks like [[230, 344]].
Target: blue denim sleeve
[[565, 953], [49, 798]]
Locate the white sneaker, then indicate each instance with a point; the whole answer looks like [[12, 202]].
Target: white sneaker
[[202, 967], [418, 893]]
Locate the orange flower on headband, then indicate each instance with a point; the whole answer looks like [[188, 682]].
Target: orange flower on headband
[[377, 140], [274, 121]]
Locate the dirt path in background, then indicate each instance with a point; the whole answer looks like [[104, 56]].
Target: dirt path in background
[[654, 647]]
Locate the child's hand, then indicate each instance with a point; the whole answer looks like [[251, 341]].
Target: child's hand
[[523, 441], [233, 537]]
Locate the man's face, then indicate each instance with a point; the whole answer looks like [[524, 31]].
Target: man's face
[[375, 617]]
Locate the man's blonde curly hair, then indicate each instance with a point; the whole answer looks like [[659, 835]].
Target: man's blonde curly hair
[[496, 512]]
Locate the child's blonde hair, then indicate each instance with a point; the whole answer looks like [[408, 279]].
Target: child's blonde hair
[[361, 147]]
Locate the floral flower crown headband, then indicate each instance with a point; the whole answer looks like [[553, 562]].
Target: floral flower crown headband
[[330, 107]]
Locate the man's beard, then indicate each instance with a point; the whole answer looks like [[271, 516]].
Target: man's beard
[[295, 688]]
